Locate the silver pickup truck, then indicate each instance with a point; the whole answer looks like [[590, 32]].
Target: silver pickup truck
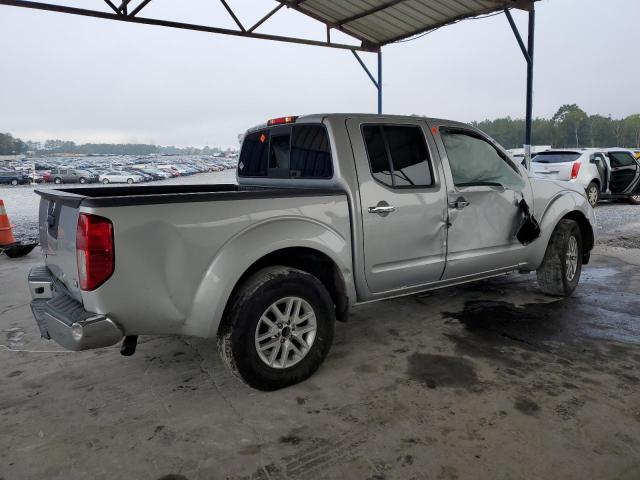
[[330, 211]]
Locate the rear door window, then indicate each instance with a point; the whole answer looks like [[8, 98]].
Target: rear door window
[[621, 159], [398, 155]]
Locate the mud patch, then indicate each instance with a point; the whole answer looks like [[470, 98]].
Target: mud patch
[[441, 371], [526, 406]]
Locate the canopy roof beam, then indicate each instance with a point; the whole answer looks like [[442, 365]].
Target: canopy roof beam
[[121, 16]]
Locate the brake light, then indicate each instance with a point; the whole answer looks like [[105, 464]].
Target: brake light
[[281, 121], [94, 250], [575, 169]]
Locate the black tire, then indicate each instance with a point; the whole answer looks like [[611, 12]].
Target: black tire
[[14, 182], [593, 194], [57, 181], [82, 180], [634, 199], [105, 181], [236, 338], [129, 181], [553, 276]]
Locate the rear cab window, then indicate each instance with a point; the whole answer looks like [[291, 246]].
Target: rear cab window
[[290, 151], [398, 155]]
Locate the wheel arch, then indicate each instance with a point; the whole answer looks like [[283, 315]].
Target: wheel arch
[[308, 260], [570, 205], [588, 237], [308, 245]]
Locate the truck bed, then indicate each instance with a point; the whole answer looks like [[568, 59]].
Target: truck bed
[[116, 196]]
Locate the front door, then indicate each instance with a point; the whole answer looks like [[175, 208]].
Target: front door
[[484, 191], [624, 171], [403, 203]]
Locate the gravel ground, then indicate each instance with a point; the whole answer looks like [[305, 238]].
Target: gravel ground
[[21, 202], [618, 222]]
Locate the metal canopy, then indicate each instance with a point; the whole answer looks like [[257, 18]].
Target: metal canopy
[[380, 22], [372, 23]]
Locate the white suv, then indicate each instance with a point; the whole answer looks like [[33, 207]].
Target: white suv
[[604, 174]]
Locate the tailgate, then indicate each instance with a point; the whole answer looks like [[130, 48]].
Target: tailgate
[[58, 221], [552, 171]]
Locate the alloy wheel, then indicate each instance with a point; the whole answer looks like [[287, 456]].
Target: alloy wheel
[[285, 332], [572, 258]]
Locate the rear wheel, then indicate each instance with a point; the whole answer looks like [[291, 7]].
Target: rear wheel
[[560, 270], [57, 181], [593, 194], [14, 182], [634, 199], [279, 328], [129, 181], [105, 180], [83, 180]]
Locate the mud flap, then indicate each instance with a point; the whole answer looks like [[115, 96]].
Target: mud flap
[[18, 249], [529, 228]]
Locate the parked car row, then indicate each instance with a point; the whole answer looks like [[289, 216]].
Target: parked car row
[[114, 169], [12, 177]]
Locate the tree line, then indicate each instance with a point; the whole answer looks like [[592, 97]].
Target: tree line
[[570, 127], [14, 146]]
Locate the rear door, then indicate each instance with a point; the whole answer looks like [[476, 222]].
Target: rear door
[[403, 202], [484, 189], [624, 171]]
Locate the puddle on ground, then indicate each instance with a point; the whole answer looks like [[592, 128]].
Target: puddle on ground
[[441, 371]]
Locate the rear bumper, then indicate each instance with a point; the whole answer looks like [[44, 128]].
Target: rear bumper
[[64, 320]]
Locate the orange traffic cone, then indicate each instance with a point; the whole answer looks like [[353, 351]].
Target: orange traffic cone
[[6, 235]]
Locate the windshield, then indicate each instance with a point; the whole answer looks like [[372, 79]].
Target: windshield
[[556, 157]]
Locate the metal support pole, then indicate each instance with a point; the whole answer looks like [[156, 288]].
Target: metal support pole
[[379, 82], [529, 120]]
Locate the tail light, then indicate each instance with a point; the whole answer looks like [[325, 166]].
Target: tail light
[[281, 121], [94, 250], [575, 169]]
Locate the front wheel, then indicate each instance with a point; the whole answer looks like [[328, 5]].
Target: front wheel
[[57, 181], [105, 181], [129, 181], [560, 270], [634, 199], [279, 328], [83, 180], [593, 194], [14, 182]]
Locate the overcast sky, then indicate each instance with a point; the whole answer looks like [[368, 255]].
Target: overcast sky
[[92, 80]]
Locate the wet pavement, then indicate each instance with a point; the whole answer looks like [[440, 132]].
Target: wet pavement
[[492, 380]]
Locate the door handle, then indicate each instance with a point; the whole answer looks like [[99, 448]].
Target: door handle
[[459, 204], [382, 208]]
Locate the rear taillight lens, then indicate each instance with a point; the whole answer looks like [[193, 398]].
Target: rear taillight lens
[[575, 169], [94, 250]]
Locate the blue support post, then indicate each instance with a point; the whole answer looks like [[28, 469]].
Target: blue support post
[[379, 84], [376, 83]]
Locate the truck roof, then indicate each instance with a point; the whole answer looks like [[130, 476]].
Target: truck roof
[[320, 117]]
